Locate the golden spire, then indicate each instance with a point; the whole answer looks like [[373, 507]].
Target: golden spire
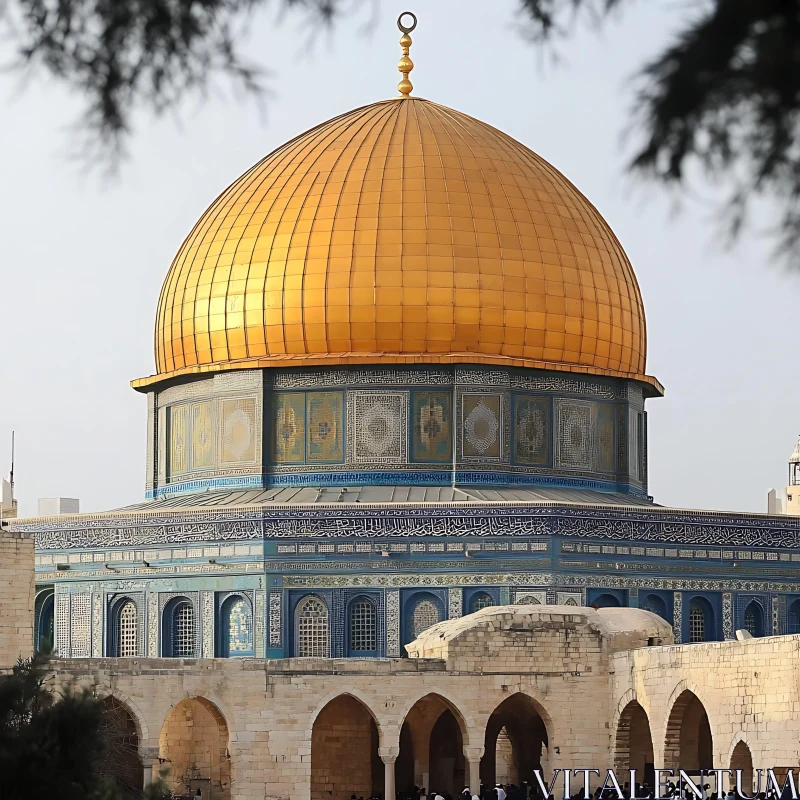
[[405, 65]]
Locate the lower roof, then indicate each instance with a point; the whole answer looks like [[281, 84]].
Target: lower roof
[[311, 495]]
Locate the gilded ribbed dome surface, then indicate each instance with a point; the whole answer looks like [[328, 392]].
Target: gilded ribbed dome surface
[[401, 232]]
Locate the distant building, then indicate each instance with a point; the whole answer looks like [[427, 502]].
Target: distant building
[[8, 505], [55, 506], [787, 501]]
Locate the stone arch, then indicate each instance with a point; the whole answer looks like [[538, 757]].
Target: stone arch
[[529, 730], [688, 735], [121, 733], [345, 741], [356, 694], [465, 721], [433, 734], [633, 740], [194, 745], [740, 756], [142, 728]]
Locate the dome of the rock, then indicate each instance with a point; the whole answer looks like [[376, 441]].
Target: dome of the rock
[[402, 232]]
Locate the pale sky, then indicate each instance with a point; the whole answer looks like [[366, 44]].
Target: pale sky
[[84, 259]]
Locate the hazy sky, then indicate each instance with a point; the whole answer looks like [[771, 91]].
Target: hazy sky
[[83, 260]]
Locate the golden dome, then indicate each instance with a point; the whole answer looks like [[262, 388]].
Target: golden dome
[[401, 232]]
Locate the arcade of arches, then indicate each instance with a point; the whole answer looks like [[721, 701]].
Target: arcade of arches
[[480, 700]]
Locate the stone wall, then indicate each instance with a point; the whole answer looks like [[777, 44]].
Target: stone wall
[[16, 600], [750, 691]]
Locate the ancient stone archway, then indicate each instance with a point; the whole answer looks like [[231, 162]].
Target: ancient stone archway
[[634, 744], [344, 751], [742, 759], [688, 743], [194, 747], [522, 748], [123, 763], [431, 748]]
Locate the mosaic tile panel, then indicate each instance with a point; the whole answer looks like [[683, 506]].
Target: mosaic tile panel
[[393, 624], [81, 625], [178, 439], [258, 647], [604, 438], [207, 622], [97, 625], [573, 440], [622, 440], [325, 427], [203, 454], [526, 597], [379, 427], [677, 617], [62, 625], [288, 428], [152, 624], [569, 599], [239, 431], [481, 426], [531, 430], [275, 619], [727, 616], [455, 603], [633, 444], [432, 433]]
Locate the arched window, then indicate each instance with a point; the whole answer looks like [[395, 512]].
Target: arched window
[[236, 627], [605, 601], [570, 601], [655, 605], [481, 600], [425, 614], [793, 618], [527, 600], [126, 632], [363, 628], [754, 619], [45, 627], [312, 628], [697, 623]]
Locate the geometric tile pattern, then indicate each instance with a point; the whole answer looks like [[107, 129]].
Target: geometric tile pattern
[[531, 430], [432, 437], [481, 426], [325, 426], [288, 430], [573, 439], [379, 424]]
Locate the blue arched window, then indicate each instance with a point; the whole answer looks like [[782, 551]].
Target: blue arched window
[[236, 627], [701, 621], [45, 620], [362, 628], [654, 604], [754, 619], [605, 601], [793, 618], [123, 629], [179, 630], [311, 632], [479, 601]]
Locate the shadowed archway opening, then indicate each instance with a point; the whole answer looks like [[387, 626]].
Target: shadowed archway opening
[[634, 744], [688, 744], [344, 751], [516, 742], [194, 746], [742, 759], [431, 748], [122, 762]]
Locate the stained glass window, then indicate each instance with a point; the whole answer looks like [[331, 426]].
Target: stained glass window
[[482, 600], [183, 632], [363, 634], [126, 631], [697, 624], [240, 627], [425, 615], [312, 628]]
